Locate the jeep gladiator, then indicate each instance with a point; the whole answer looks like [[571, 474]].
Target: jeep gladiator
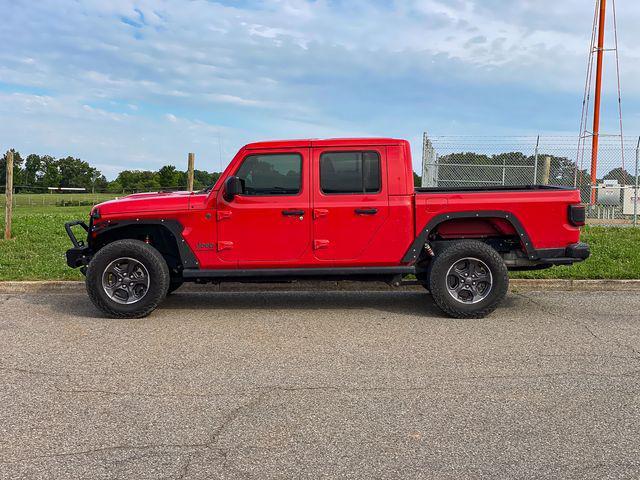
[[326, 210]]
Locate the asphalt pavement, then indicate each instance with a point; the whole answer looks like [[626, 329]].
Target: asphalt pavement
[[315, 385]]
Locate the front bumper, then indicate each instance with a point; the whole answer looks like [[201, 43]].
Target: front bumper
[[80, 254], [574, 253]]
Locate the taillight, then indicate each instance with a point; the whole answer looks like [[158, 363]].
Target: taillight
[[577, 215]]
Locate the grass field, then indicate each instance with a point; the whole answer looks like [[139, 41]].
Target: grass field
[[37, 250], [615, 253], [39, 200]]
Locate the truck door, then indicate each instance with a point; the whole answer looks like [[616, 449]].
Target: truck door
[[350, 202], [270, 222]]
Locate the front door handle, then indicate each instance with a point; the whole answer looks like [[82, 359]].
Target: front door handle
[[293, 213], [366, 211]]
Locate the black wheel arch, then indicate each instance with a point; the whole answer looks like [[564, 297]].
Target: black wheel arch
[[415, 251], [164, 235]]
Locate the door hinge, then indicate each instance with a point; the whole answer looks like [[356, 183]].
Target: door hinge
[[320, 212], [320, 244], [225, 246], [222, 214]]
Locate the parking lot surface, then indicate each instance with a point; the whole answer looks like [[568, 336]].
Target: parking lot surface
[[321, 385]]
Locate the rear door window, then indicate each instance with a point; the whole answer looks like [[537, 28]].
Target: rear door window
[[350, 172]]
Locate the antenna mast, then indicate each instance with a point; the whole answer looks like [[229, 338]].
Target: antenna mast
[[597, 47], [595, 140]]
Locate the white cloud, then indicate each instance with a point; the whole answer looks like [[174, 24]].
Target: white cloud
[[113, 141], [103, 74]]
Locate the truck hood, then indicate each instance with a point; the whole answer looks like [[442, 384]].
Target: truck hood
[[147, 202]]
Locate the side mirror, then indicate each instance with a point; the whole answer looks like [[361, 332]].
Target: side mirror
[[232, 187]]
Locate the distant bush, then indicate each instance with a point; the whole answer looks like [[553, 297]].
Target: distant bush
[[74, 203]]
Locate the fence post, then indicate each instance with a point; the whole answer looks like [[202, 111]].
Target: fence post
[[535, 165], [9, 197], [546, 173], [635, 193], [191, 163]]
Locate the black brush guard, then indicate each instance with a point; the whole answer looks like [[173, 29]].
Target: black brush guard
[[80, 254]]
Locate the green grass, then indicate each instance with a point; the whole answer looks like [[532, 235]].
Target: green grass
[[37, 201], [36, 251], [615, 253]]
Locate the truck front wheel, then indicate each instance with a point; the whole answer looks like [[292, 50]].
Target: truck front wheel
[[468, 279], [127, 279]]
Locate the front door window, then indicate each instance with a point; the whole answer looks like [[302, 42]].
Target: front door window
[[271, 174]]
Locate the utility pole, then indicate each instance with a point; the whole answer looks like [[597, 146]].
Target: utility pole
[[597, 99], [546, 172], [9, 197], [535, 164], [190, 168], [635, 190]]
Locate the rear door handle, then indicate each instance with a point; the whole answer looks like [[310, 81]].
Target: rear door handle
[[293, 213], [366, 211]]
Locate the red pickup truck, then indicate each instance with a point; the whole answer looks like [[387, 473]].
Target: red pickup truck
[[327, 210]]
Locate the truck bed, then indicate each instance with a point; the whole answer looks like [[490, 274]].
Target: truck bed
[[493, 188], [537, 213]]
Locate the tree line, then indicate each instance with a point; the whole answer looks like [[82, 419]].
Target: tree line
[[36, 173]]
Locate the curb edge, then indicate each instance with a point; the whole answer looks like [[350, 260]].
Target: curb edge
[[68, 287]]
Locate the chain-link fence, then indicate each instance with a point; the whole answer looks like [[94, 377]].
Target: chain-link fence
[[467, 161], [25, 196]]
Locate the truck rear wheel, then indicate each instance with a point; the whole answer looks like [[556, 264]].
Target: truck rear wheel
[[468, 279], [127, 279]]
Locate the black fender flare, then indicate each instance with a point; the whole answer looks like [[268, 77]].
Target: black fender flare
[[187, 257], [414, 250]]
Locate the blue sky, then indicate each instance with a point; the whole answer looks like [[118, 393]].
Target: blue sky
[[139, 83]]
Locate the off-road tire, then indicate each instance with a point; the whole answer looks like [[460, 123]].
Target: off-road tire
[[448, 257], [147, 255]]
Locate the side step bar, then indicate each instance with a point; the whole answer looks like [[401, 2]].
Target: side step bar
[[260, 273]]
